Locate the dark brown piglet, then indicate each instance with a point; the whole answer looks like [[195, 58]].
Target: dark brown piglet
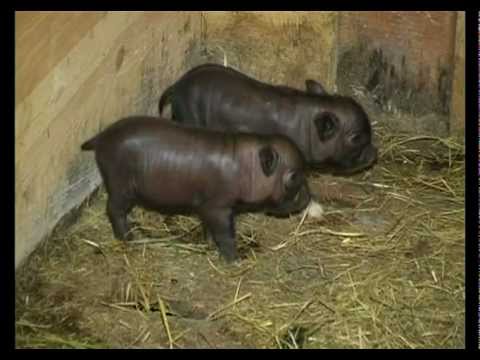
[[333, 132], [154, 163]]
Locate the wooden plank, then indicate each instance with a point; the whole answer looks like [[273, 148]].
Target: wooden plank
[[457, 115], [114, 71], [55, 90], [406, 64], [42, 39], [26, 21], [293, 45]]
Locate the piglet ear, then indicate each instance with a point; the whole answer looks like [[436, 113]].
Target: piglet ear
[[268, 160], [314, 87]]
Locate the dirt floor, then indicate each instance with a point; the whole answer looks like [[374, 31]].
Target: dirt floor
[[383, 268]]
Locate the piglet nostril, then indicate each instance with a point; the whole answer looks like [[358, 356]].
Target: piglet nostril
[[295, 199]]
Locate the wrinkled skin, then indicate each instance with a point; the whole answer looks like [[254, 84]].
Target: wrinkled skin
[[333, 132], [156, 164]]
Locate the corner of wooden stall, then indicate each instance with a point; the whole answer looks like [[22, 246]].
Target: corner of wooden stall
[[75, 73]]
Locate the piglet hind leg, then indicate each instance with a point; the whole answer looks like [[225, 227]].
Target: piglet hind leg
[[207, 235], [221, 225], [117, 211]]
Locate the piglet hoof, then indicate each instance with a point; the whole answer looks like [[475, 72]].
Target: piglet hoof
[[230, 257], [237, 262], [128, 236]]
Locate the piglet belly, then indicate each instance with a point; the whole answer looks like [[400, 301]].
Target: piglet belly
[[167, 189]]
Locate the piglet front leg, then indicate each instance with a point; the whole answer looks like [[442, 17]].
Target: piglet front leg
[[221, 225]]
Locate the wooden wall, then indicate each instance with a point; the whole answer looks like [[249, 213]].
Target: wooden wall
[[403, 60], [280, 47], [76, 72], [457, 108]]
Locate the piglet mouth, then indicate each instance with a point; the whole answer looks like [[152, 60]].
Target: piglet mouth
[[343, 171], [367, 159], [355, 170], [364, 160], [292, 204]]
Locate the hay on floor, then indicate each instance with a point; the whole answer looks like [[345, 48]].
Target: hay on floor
[[383, 268]]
